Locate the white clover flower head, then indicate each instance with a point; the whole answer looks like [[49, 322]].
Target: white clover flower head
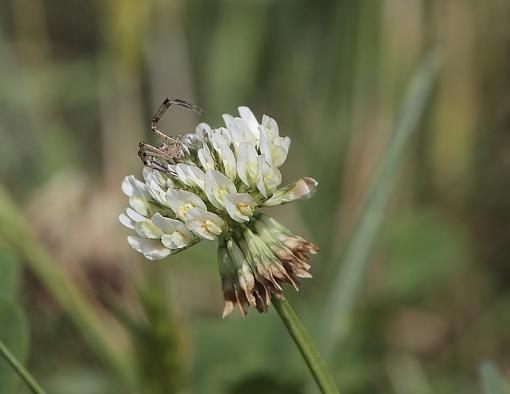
[[208, 185]]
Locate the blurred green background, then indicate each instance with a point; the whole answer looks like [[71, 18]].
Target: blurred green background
[[429, 298]]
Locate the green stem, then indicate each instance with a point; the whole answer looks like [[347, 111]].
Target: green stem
[[305, 345], [21, 371]]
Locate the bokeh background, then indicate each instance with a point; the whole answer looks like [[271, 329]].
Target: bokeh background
[[79, 81]]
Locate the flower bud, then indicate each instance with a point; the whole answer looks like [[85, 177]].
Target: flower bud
[[302, 189]]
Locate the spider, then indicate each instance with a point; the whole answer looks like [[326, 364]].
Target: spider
[[170, 150]]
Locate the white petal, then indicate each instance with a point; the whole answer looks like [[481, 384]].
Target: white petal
[[139, 204], [274, 149], [126, 221], [147, 229], [229, 161], [236, 135], [136, 186], [156, 191], [229, 120], [239, 132], [217, 140], [270, 125], [247, 164], [135, 216], [279, 150], [239, 206], [167, 225], [181, 173], [181, 201], [205, 224], [270, 178], [150, 174], [246, 132], [176, 235], [197, 228], [226, 133], [206, 159], [137, 193], [250, 120], [127, 187], [197, 176], [146, 173], [266, 145], [202, 130], [284, 142], [190, 175], [132, 186], [175, 240], [217, 186], [151, 249]]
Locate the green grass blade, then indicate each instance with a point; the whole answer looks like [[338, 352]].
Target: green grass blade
[[492, 381], [348, 280], [20, 370], [15, 231], [14, 335]]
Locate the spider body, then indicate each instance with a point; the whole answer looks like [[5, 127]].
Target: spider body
[[168, 152]]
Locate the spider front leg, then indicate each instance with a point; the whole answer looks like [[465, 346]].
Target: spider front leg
[[156, 158], [145, 150], [162, 109]]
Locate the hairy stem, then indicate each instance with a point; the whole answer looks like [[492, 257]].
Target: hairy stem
[[305, 345]]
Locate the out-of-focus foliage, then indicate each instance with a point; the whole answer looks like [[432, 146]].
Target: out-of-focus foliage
[[79, 81]]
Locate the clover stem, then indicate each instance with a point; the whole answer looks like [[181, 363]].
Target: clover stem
[[305, 345]]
